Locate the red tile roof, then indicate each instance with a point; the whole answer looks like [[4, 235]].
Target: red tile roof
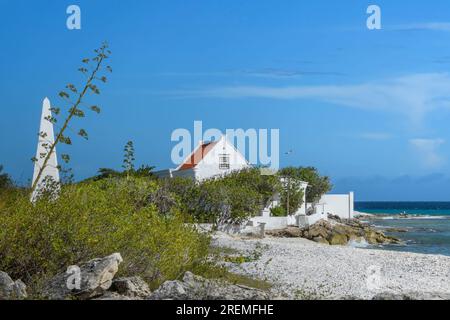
[[194, 159]]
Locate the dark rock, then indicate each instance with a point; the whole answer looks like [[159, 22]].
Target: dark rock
[[412, 296], [131, 287], [334, 217], [398, 230], [116, 296]]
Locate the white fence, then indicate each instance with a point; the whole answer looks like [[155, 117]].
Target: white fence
[[306, 221], [337, 204], [271, 223]]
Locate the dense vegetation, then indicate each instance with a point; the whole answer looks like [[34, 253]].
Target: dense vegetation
[[231, 199], [94, 220], [149, 221]]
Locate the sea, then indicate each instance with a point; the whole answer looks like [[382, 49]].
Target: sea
[[424, 227]]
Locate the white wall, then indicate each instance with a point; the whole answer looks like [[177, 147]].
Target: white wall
[[338, 204], [209, 166], [272, 223], [306, 221]]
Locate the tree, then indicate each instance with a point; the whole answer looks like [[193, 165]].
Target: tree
[[5, 180], [291, 194], [105, 173], [144, 171], [266, 185], [317, 185], [129, 171], [91, 70], [128, 158], [221, 202]]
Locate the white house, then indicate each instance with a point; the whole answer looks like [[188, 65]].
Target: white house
[[209, 160], [218, 158]]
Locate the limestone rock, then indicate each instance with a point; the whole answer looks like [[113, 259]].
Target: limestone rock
[[11, 290], [319, 229], [197, 288], [336, 232], [289, 232], [338, 239], [340, 233], [95, 278], [131, 287], [170, 290]]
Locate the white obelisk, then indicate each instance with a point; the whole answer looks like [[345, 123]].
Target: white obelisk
[[51, 169]]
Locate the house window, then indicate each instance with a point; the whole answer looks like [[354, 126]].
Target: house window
[[224, 161]]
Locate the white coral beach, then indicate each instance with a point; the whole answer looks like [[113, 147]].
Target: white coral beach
[[302, 269]]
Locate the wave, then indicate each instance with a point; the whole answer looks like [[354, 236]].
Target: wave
[[358, 243], [399, 216], [415, 217], [387, 228]]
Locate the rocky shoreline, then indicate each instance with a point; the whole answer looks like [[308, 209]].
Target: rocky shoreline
[[96, 281], [300, 263], [336, 232], [304, 269]]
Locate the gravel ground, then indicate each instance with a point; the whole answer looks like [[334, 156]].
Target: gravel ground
[[302, 269]]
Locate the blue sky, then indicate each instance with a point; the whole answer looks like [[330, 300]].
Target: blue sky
[[369, 108]]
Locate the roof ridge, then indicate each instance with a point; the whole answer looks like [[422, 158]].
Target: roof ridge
[[197, 155]]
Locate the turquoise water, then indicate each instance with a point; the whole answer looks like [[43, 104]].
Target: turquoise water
[[427, 224]]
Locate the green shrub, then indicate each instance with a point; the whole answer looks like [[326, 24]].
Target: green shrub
[[317, 185], [230, 199], [5, 180], [224, 202], [265, 185], [143, 171], [95, 219], [278, 212]]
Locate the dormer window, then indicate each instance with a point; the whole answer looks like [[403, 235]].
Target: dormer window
[[224, 161]]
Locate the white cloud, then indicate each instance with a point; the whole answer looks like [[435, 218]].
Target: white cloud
[[260, 73], [428, 151], [412, 96], [432, 26]]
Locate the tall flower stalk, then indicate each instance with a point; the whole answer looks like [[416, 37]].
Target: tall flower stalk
[[92, 69]]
